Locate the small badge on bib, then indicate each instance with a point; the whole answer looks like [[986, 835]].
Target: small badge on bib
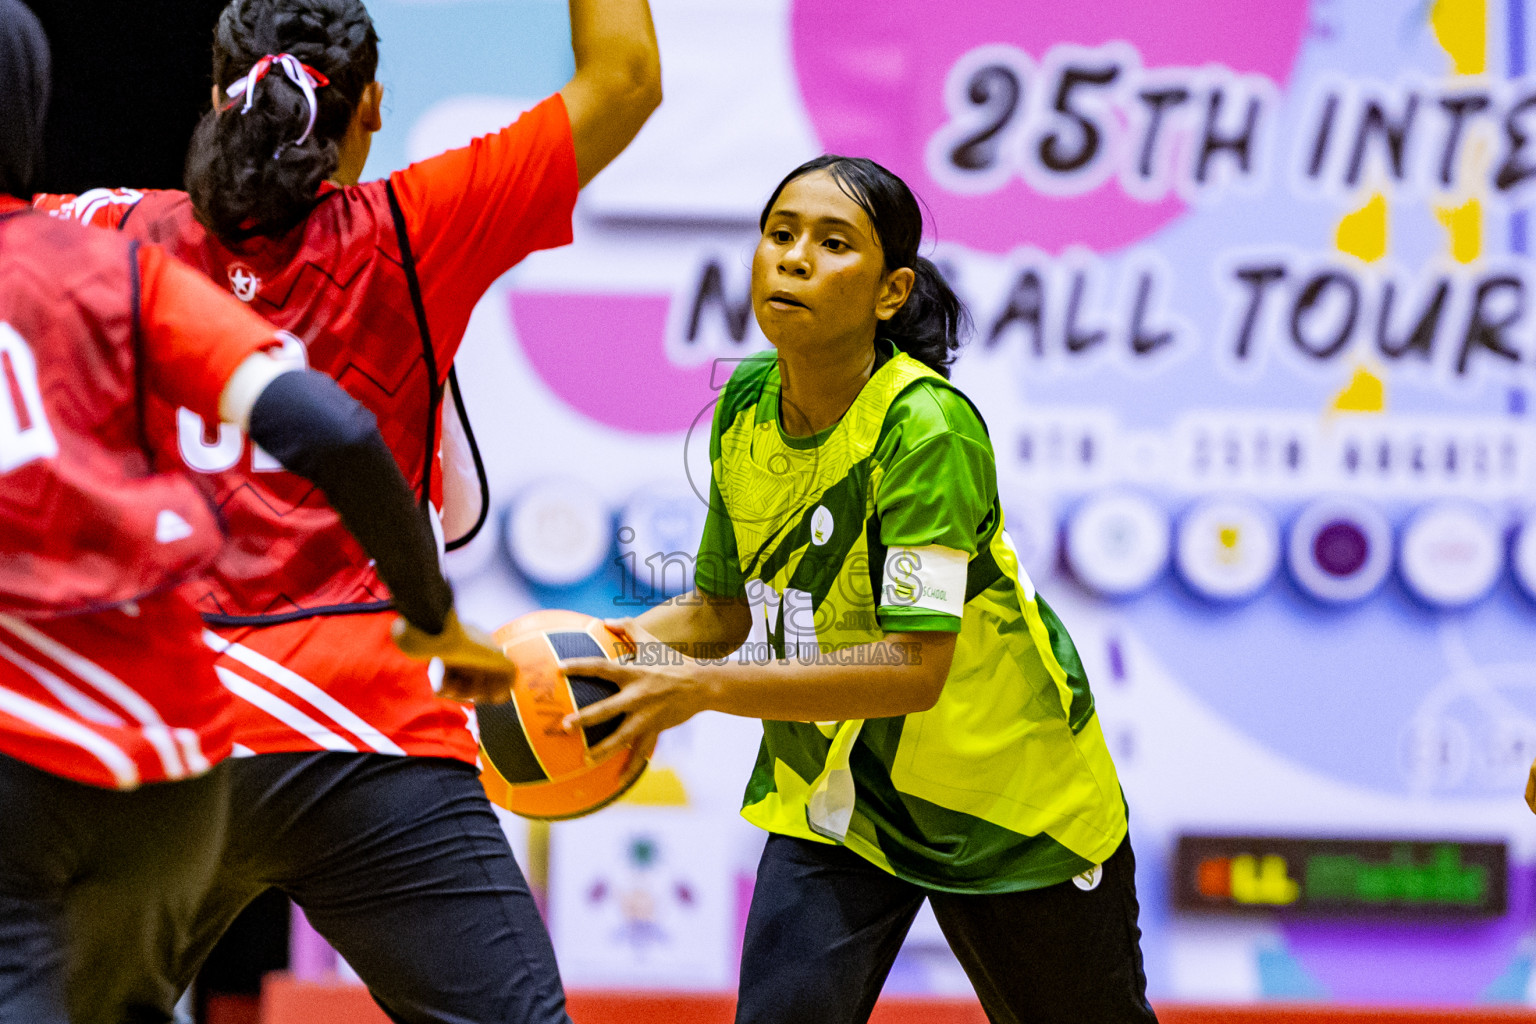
[[821, 526], [1089, 880], [243, 282]]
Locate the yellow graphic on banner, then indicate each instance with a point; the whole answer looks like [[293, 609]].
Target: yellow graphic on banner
[[1365, 392], [1464, 223], [1363, 233], [658, 787], [1461, 28]]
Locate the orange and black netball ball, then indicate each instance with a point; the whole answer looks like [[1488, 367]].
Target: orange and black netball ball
[[533, 767]]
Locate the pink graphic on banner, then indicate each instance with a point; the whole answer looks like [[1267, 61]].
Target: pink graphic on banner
[[605, 356], [873, 75]]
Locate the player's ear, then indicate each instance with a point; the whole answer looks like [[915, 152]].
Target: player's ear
[[894, 292], [370, 107]]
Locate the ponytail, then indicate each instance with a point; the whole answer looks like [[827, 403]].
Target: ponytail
[[932, 323], [245, 172], [929, 328], [256, 167]]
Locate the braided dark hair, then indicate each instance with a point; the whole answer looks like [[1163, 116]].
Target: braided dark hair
[[245, 172], [930, 325]]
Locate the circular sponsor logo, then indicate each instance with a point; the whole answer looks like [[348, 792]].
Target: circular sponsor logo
[[1451, 555], [1089, 880], [558, 533], [1228, 549], [1117, 543], [1340, 549], [821, 525], [659, 530]]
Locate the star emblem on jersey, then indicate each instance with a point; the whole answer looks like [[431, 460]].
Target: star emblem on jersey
[[243, 282], [821, 526], [170, 527], [1089, 880]]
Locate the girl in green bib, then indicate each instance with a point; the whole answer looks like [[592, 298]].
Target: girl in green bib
[[928, 731]]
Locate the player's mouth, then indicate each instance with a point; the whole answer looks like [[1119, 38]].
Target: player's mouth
[[784, 300]]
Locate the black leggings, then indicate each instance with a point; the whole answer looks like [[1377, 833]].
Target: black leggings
[[826, 925], [401, 864], [97, 887]]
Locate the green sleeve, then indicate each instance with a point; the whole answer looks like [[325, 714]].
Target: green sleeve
[[938, 486], [718, 570]]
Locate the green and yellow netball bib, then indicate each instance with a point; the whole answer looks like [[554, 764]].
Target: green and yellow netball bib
[[888, 522]]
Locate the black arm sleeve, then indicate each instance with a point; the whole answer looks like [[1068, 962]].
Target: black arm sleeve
[[316, 430]]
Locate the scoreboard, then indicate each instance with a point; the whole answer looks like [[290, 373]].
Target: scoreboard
[[1341, 877]]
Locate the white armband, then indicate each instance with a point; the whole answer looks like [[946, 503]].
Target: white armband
[[931, 577], [251, 378]]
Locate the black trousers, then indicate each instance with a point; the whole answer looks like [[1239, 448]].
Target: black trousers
[[826, 925], [401, 864], [97, 887]]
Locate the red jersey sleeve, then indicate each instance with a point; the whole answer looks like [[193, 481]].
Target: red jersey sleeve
[[195, 334], [473, 213], [98, 208]]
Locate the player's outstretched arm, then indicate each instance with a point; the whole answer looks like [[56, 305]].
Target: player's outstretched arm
[[898, 675], [698, 624], [617, 83]]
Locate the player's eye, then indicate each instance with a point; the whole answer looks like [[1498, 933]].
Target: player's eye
[[781, 236], [835, 244]]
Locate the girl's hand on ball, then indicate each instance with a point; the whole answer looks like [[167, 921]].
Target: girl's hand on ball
[[474, 669], [652, 699], [1530, 788]]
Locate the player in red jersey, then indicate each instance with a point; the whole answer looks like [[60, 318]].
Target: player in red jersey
[[398, 861], [114, 729]]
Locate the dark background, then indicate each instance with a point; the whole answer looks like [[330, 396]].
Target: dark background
[[130, 80]]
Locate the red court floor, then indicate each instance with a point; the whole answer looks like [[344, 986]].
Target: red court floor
[[287, 1001]]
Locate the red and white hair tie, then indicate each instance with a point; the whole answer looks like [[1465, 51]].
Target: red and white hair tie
[[299, 73]]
